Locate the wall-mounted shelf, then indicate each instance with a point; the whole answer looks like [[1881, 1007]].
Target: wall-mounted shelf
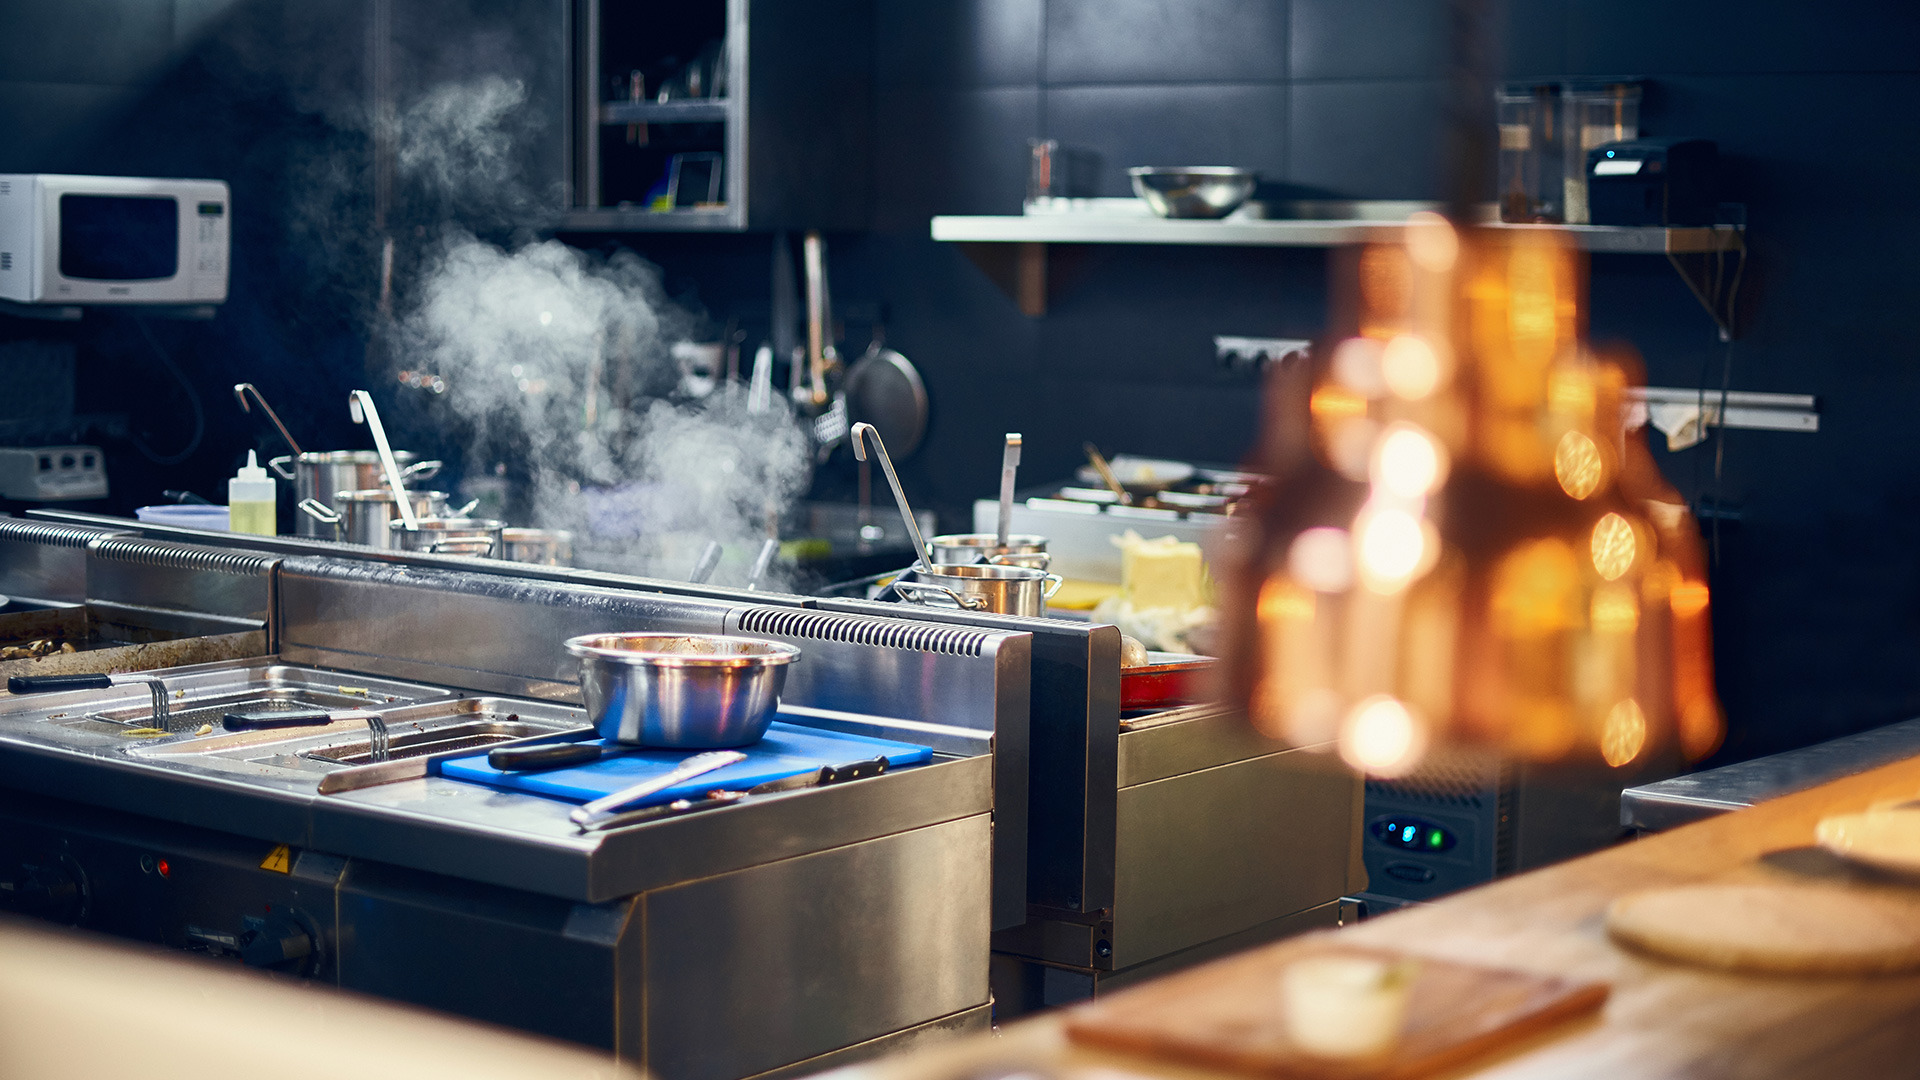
[[1254, 232], [686, 111], [1022, 271]]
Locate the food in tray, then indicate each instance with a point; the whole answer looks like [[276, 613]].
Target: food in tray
[[1778, 928], [1164, 592], [1346, 1006], [1885, 838], [33, 650]]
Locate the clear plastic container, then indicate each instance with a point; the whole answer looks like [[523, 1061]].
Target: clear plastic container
[[1592, 116], [252, 500], [1531, 155]]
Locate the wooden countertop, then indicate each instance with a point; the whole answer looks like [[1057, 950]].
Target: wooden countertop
[[1663, 1020]]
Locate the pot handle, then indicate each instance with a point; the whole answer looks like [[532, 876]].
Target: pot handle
[[463, 511], [452, 547], [322, 513], [1054, 581], [906, 589], [421, 470], [279, 465]]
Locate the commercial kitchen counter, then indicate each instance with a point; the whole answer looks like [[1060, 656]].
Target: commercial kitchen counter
[[1662, 1020]]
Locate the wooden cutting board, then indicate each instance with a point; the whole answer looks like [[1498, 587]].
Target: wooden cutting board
[[1227, 1015]]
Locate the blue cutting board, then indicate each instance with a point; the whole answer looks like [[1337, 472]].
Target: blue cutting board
[[787, 750]]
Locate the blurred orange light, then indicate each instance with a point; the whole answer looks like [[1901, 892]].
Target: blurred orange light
[[1322, 560], [1576, 464], [1624, 734], [1382, 737], [1409, 463], [1689, 598], [1613, 547], [1392, 546], [1410, 367]]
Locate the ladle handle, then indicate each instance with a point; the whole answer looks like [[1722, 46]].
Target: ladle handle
[[866, 431], [1009, 464], [364, 410]]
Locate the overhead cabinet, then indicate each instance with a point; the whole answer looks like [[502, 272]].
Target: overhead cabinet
[[721, 115]]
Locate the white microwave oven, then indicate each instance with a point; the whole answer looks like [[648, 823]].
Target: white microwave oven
[[112, 240]]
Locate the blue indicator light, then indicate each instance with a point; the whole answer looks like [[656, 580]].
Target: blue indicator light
[[1609, 153], [1406, 834]]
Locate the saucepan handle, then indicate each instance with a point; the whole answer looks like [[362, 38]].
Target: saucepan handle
[[1054, 581], [279, 465], [421, 470], [907, 589]]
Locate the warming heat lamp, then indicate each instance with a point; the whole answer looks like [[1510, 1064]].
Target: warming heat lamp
[[1462, 543]]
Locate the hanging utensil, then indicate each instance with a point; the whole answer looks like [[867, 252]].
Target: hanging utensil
[[814, 258], [240, 392], [360, 406], [1105, 470], [760, 383], [899, 495], [1009, 464], [699, 764], [703, 566], [786, 312], [884, 389], [762, 562]]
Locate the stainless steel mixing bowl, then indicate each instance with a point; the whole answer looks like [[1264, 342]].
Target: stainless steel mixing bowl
[[1192, 191], [684, 691]]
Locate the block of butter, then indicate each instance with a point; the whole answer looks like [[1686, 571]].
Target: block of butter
[[1161, 573]]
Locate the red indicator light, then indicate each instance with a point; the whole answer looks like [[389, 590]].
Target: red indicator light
[[163, 868]]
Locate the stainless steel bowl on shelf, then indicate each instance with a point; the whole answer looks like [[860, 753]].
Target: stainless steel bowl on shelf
[[1192, 191], [682, 691]]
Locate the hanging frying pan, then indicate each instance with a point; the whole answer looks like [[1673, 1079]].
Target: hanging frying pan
[[884, 389]]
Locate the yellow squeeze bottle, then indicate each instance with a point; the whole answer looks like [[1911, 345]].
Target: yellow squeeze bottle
[[252, 501]]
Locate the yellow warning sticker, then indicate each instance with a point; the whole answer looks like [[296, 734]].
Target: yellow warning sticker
[[279, 860]]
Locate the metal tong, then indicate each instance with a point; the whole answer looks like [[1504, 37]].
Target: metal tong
[[593, 813], [240, 392], [48, 684], [863, 431]]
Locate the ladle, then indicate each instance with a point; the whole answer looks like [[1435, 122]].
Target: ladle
[[1105, 470], [1009, 464], [761, 562], [864, 431], [703, 567], [360, 404], [240, 392]]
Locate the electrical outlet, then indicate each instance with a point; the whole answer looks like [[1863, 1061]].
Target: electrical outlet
[[1251, 355]]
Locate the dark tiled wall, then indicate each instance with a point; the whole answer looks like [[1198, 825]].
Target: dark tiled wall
[[1818, 600]]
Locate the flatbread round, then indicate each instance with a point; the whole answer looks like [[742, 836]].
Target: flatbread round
[[1786, 929], [1886, 839]]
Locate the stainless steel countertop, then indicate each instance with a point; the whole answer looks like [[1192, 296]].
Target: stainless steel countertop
[[1685, 799]]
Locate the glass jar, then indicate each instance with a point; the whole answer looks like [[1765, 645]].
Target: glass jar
[[1593, 116], [1531, 156]]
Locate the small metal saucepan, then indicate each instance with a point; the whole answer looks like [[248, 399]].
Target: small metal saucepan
[[1002, 590], [543, 547], [475, 537], [363, 517], [317, 475], [965, 549], [684, 691]]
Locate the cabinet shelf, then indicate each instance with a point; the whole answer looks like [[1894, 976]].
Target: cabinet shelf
[[688, 111], [1022, 270]]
